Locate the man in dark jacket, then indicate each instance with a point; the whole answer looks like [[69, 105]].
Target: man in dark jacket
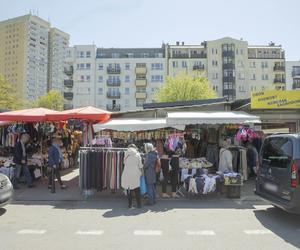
[[55, 158], [20, 159]]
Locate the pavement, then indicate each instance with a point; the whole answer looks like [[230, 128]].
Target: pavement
[[37, 219]]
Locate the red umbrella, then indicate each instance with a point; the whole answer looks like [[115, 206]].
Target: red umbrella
[[85, 113], [27, 115]]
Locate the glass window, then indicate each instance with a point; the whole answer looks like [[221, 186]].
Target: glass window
[[277, 152], [100, 91], [127, 66], [127, 91], [88, 78], [100, 66], [127, 78], [88, 54], [88, 66], [184, 64], [100, 79], [175, 64]]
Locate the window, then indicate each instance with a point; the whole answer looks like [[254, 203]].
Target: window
[[175, 64], [264, 64], [100, 91], [215, 88], [115, 55], [240, 63], [127, 103], [127, 66], [140, 102], [81, 54], [184, 65], [127, 78], [277, 152], [156, 66], [212, 51], [81, 65], [127, 91], [265, 77], [88, 54], [88, 78], [253, 77], [81, 78], [241, 76], [252, 65], [88, 66], [215, 75], [100, 79], [214, 63], [157, 78], [242, 51], [100, 66]]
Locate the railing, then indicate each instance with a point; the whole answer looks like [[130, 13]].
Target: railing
[[69, 71], [68, 106], [228, 53], [69, 83], [113, 95], [296, 73], [228, 79], [113, 83], [68, 95], [184, 55], [228, 66], [198, 67], [116, 107], [279, 80], [140, 65], [279, 68], [198, 55], [116, 70]]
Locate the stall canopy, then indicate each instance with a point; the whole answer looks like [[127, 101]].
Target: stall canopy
[[140, 124], [27, 115], [85, 113], [190, 118]]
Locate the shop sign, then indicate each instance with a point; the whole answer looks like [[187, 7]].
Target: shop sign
[[275, 99]]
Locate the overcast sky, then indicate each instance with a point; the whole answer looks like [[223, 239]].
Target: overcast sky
[[148, 23]]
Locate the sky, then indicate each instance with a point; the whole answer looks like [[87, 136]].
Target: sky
[[149, 23]]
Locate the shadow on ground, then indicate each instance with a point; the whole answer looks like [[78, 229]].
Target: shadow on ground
[[2, 211], [281, 223]]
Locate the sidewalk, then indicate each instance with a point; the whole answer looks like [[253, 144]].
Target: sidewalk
[[73, 193]]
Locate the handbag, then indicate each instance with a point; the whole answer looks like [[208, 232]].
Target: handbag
[[157, 165], [143, 187]]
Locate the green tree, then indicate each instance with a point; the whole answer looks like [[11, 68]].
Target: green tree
[[184, 87], [8, 95], [52, 100]]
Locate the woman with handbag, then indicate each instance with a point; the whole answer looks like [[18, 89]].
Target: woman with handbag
[[151, 164], [132, 173]]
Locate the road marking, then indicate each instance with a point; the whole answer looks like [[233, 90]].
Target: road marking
[[203, 232], [31, 231], [147, 232], [262, 207], [257, 232], [94, 232]]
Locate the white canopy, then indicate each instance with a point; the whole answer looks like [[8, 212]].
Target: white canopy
[[189, 118], [134, 124]]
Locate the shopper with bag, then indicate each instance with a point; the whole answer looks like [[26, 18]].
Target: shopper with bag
[[132, 173], [150, 167], [54, 160]]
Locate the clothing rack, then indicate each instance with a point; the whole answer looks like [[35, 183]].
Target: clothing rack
[[101, 148]]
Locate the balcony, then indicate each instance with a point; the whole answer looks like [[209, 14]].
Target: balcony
[[198, 67], [279, 68], [198, 55], [183, 55], [141, 68], [140, 82], [228, 53], [69, 71], [113, 108], [228, 66], [111, 95], [229, 79], [113, 70], [296, 73], [68, 96], [140, 95], [69, 83], [279, 80], [115, 83], [68, 106]]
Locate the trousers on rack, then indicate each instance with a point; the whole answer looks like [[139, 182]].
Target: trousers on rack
[[137, 194]]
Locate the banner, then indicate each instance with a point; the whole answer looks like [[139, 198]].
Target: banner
[[276, 99]]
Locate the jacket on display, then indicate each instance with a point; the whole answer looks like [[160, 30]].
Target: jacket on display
[[225, 163]]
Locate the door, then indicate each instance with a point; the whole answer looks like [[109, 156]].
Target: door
[[275, 170]]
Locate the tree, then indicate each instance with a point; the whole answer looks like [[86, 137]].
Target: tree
[[184, 87], [8, 95], [52, 100]]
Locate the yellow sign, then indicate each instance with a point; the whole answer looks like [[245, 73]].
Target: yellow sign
[[276, 99]]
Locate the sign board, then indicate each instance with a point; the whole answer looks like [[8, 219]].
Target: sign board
[[276, 99]]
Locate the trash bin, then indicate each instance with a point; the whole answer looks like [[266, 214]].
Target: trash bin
[[234, 191]]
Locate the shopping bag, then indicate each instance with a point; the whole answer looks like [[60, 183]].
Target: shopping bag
[[161, 176], [143, 187]]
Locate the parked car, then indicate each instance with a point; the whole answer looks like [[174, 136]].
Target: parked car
[[278, 177], [6, 190]]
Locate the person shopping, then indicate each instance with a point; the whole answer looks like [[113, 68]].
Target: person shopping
[[55, 158], [150, 173], [130, 179]]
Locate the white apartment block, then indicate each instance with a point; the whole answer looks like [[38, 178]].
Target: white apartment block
[[124, 79], [31, 55], [293, 75], [58, 46]]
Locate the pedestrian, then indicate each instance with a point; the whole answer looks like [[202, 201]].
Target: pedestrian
[[20, 160], [225, 162], [150, 173], [130, 179], [55, 158], [252, 159]]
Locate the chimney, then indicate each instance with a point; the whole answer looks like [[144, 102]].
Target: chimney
[[182, 43], [177, 43]]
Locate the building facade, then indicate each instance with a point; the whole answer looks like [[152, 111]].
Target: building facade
[[124, 79], [25, 52], [293, 74]]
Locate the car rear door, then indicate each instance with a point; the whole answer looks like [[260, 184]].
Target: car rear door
[[275, 167]]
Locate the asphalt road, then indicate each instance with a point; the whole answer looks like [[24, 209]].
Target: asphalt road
[[174, 224]]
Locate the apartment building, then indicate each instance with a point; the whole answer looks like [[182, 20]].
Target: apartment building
[[293, 75], [119, 79], [233, 67], [25, 43], [116, 79]]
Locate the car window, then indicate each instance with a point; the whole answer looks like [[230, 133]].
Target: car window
[[277, 152]]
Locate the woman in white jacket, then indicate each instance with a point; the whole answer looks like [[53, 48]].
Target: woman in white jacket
[[225, 162], [130, 179]]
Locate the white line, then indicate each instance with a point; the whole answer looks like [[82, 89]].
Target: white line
[[257, 232], [262, 207], [203, 232], [31, 231], [147, 232], [99, 232]]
